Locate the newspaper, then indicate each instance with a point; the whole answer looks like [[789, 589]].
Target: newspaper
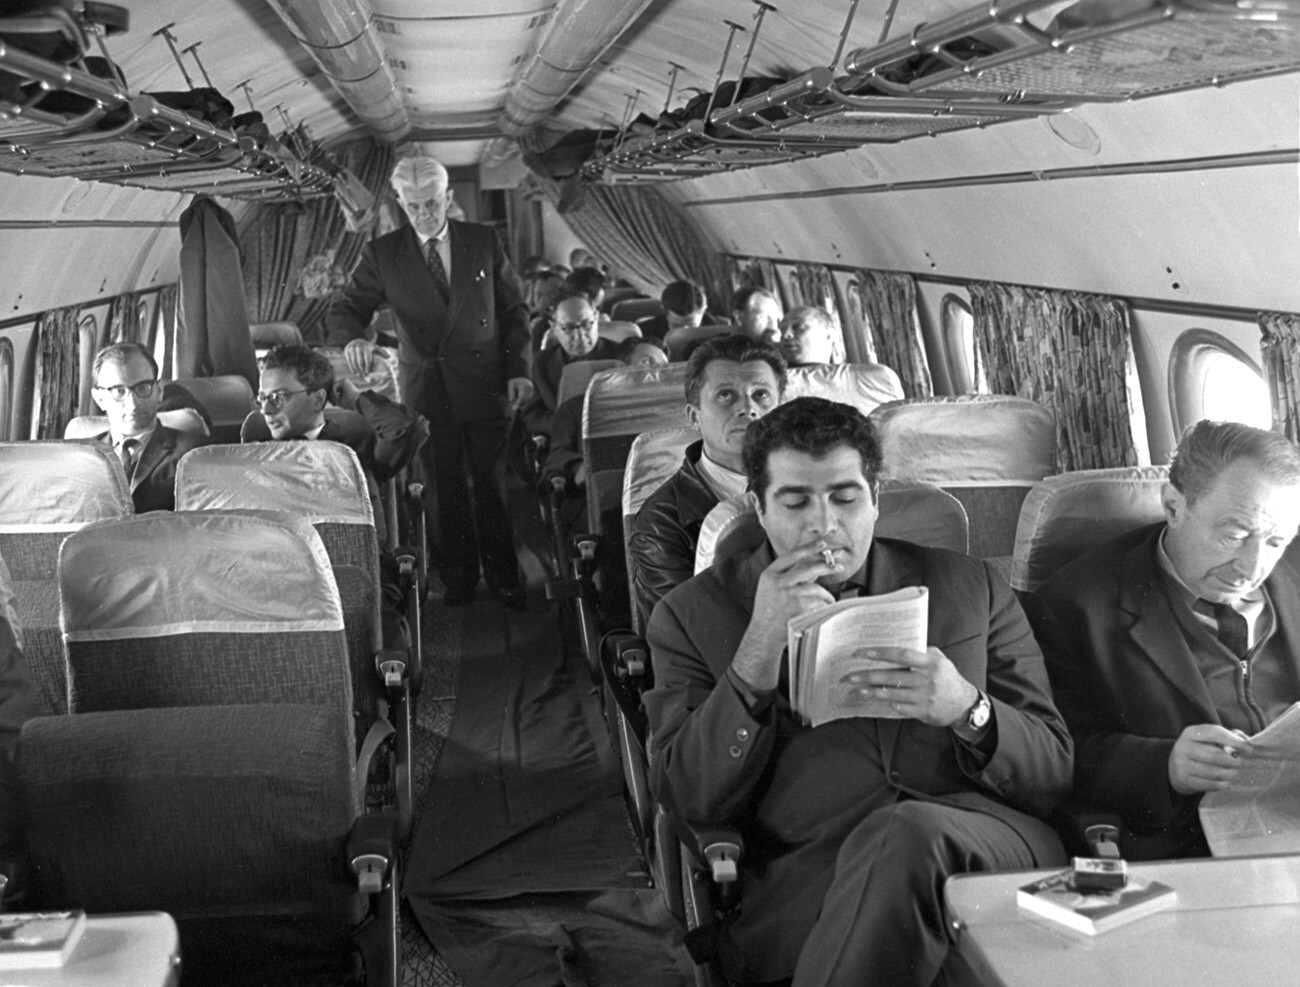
[[829, 645], [1260, 813]]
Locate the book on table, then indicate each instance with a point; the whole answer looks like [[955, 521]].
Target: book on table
[[31, 940], [1093, 912], [830, 645]]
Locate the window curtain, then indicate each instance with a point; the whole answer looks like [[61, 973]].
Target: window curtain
[[123, 321], [295, 255], [167, 299], [645, 239], [1281, 348], [751, 272], [858, 342], [889, 309], [58, 371], [812, 284], [1070, 352]]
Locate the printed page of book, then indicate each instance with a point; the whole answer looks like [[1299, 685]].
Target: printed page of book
[[853, 636], [1260, 813]]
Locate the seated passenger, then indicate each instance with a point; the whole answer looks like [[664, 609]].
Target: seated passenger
[[564, 453], [576, 326], [849, 828], [590, 282], [809, 336], [125, 385], [755, 313], [1171, 645], [730, 382], [685, 310]]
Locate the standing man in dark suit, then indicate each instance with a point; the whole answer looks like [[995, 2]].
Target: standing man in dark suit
[[1169, 646], [850, 828], [462, 329], [126, 388]]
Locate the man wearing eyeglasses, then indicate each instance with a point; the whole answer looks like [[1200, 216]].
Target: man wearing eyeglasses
[[576, 325], [125, 385]]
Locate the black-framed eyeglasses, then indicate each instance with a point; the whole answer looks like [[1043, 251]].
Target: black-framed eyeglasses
[[275, 399], [582, 326], [117, 392]]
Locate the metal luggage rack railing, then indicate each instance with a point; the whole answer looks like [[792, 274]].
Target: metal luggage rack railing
[[1149, 48], [136, 140]]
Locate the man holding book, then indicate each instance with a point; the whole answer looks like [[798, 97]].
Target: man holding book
[[1171, 645], [851, 827]]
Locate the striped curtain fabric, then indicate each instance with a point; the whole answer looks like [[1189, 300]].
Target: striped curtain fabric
[[1071, 352], [58, 371], [1280, 343], [889, 310]]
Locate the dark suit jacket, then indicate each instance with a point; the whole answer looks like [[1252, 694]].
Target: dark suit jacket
[[153, 481], [549, 366], [796, 792], [455, 356], [1128, 683]]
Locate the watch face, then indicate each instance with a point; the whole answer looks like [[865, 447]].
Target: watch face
[[980, 714]]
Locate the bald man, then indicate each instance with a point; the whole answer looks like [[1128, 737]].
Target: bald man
[[462, 329]]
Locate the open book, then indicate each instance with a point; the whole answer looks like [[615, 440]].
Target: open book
[[1260, 813], [852, 636], [32, 940]]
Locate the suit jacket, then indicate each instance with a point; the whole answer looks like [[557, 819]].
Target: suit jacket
[[796, 792], [153, 480], [455, 356], [1128, 684]]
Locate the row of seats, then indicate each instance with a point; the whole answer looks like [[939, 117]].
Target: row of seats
[[219, 589]]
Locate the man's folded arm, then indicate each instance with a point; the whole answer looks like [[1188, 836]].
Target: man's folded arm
[[349, 314], [707, 749]]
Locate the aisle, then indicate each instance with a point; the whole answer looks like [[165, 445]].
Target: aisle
[[523, 869]]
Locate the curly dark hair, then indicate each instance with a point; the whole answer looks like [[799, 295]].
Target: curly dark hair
[[814, 426]]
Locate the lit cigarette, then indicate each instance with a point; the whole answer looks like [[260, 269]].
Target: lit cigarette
[[828, 556]]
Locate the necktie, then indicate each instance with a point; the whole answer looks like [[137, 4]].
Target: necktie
[[436, 269], [1232, 626], [126, 453]]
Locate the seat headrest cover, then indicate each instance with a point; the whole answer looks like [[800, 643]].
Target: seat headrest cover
[[618, 331], [967, 440], [1066, 516], [654, 457], [268, 334], [227, 397], [865, 386], [85, 426], [632, 400], [575, 377], [59, 486], [186, 420], [166, 573], [319, 480], [915, 512]]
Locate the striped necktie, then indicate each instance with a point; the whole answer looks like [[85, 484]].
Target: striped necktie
[[437, 269]]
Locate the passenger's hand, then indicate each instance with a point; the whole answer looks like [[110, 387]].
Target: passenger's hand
[[359, 354], [1206, 758], [787, 588], [580, 474], [926, 686], [518, 391]]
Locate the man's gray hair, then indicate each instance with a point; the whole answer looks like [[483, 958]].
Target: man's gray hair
[[1208, 448]]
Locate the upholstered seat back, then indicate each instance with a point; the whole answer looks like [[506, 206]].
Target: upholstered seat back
[[575, 377], [986, 450], [865, 386], [1066, 515], [227, 398]]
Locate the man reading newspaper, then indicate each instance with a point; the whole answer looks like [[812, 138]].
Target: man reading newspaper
[[850, 828]]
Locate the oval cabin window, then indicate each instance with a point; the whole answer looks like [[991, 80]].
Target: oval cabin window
[[959, 347], [1211, 377], [6, 389]]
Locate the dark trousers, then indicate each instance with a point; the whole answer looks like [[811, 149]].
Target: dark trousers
[[882, 920], [476, 536]]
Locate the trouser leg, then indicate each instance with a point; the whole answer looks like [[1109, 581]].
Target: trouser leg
[[484, 445], [882, 921], [444, 461]]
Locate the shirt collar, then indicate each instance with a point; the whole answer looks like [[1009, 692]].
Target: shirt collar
[[722, 481], [314, 433], [437, 237], [140, 440]]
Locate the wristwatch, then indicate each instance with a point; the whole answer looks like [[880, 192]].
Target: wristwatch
[[977, 717]]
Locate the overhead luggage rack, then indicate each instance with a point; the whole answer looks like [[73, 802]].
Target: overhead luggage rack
[[136, 140], [979, 67]]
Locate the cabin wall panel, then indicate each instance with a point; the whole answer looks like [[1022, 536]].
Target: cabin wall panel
[[88, 257]]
